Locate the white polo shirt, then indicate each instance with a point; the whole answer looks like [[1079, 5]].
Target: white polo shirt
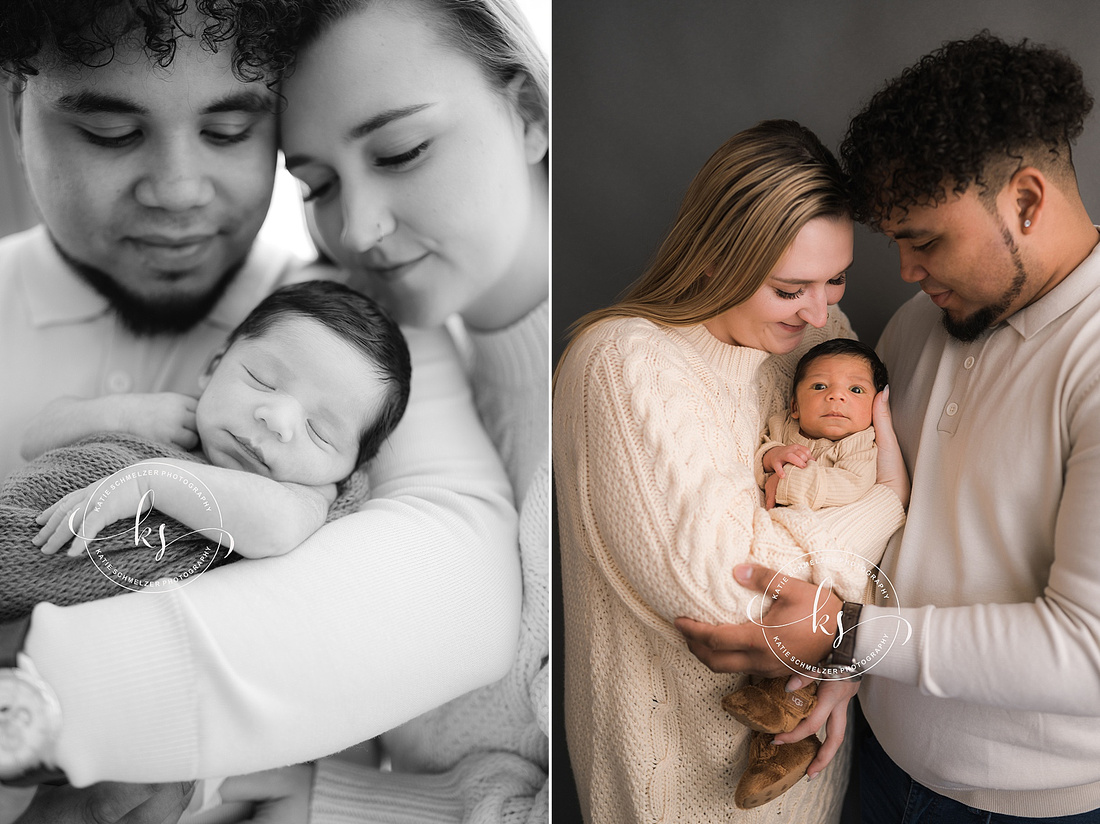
[[58, 336]]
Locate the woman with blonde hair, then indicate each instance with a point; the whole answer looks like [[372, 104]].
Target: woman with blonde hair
[[658, 406]]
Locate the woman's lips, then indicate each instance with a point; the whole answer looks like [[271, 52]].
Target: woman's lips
[[392, 272]]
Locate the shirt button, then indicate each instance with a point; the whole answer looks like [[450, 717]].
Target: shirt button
[[968, 362], [119, 382], [952, 408]]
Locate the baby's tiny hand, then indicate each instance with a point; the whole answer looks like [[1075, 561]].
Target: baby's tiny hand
[[793, 454], [167, 417], [770, 487]]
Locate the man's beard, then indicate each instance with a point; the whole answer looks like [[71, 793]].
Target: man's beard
[[974, 325], [145, 316]]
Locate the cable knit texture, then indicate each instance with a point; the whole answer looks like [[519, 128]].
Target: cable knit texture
[[484, 756], [655, 430]]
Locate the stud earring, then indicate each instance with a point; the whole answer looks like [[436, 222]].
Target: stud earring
[[1027, 224]]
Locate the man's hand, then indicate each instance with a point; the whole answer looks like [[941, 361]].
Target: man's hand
[[109, 803], [165, 417], [831, 710], [747, 647]]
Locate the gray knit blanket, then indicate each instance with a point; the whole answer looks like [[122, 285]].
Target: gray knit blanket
[[28, 577]]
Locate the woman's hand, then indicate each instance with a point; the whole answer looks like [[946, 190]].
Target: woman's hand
[[891, 463], [109, 803], [831, 710], [281, 796]]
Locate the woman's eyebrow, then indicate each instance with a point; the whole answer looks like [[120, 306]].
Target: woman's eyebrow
[[363, 129], [383, 118]]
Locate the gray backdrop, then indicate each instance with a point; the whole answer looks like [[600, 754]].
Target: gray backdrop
[[645, 90]]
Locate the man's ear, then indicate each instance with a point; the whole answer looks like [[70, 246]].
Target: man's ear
[[536, 138], [208, 372], [1028, 189]]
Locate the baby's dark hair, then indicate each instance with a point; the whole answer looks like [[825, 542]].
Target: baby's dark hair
[[843, 346], [261, 33], [971, 112], [359, 321]]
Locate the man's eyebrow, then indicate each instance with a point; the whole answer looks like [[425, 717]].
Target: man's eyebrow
[[88, 102], [246, 101], [365, 128], [908, 234]]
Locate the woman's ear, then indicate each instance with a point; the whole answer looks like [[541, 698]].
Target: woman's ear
[[536, 139], [208, 372]]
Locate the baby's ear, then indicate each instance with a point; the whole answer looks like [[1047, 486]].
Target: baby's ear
[[208, 372], [794, 409]]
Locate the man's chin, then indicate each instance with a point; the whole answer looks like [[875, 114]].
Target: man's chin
[[172, 310], [971, 327]]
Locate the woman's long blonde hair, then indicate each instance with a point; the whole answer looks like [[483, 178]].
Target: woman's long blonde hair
[[740, 213]]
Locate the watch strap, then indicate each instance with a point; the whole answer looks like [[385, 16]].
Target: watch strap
[[13, 635], [843, 655]]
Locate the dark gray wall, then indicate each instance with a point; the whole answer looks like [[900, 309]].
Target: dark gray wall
[[645, 90]]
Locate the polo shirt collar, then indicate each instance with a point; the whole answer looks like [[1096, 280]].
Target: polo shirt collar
[[1074, 288], [56, 296]]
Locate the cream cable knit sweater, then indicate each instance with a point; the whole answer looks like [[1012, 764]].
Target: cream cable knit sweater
[[655, 429], [482, 757]]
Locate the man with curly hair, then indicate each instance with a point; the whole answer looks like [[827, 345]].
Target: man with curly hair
[[988, 713], [147, 133], [964, 162]]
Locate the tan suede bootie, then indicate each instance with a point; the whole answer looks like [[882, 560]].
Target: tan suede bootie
[[773, 769], [767, 706]]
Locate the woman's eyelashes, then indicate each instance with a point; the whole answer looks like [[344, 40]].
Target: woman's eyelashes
[[404, 159], [839, 280]]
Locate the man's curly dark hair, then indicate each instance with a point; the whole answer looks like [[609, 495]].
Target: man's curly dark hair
[[37, 33], [956, 117]]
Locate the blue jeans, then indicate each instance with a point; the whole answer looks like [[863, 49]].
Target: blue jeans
[[889, 796]]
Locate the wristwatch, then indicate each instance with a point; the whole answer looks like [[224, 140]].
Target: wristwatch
[[842, 658], [30, 714]]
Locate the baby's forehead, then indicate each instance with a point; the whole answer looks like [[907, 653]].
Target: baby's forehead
[[850, 363]]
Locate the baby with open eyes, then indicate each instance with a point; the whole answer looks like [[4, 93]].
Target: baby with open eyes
[[304, 392], [821, 453]]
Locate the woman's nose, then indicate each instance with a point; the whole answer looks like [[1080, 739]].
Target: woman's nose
[[815, 309], [278, 418], [366, 220], [177, 178]]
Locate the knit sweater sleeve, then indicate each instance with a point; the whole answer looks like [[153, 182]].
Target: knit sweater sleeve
[[377, 617], [843, 481], [672, 507]]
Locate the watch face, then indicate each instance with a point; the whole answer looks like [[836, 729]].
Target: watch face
[[29, 722]]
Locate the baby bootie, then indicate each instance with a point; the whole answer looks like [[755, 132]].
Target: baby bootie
[[767, 706], [773, 769]]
